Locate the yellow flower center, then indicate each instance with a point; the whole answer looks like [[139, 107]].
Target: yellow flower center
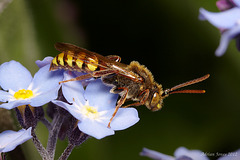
[[23, 94], [90, 112]]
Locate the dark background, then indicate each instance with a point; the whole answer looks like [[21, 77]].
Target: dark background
[[164, 35]]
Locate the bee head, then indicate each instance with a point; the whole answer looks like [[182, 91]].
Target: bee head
[[157, 96]]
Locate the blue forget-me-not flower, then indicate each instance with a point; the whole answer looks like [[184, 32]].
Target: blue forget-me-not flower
[[93, 107], [228, 21], [20, 88]]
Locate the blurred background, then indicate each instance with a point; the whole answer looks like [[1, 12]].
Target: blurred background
[[164, 35]]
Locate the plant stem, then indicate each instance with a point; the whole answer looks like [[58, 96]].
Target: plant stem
[[53, 134], [41, 150], [67, 152], [46, 123]]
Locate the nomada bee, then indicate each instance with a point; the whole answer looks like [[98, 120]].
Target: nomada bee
[[132, 82]]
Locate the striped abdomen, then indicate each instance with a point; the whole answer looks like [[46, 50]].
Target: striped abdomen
[[80, 62]]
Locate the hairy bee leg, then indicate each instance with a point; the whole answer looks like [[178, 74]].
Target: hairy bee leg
[[79, 78], [142, 101], [119, 103]]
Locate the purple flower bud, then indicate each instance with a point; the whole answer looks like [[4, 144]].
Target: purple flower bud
[[224, 4]]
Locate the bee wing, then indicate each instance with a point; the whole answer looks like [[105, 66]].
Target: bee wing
[[65, 47], [96, 59]]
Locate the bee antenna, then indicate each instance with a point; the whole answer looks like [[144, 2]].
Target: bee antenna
[[174, 90]]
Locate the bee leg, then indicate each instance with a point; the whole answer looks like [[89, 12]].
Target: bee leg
[[90, 75], [114, 58], [79, 78], [144, 95], [119, 103], [103, 73]]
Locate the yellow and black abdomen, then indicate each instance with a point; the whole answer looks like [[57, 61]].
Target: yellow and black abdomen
[[80, 62]]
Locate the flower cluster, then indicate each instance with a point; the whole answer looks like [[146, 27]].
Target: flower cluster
[[94, 107], [79, 109], [228, 21]]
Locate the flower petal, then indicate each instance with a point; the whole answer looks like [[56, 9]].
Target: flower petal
[[91, 127], [73, 109], [14, 104], [61, 104], [94, 128], [10, 139], [193, 154], [45, 97], [4, 96], [225, 39], [45, 80], [73, 89], [44, 62], [14, 76], [223, 20], [125, 118], [99, 95], [236, 2], [155, 155]]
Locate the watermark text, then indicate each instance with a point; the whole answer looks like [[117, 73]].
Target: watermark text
[[220, 154]]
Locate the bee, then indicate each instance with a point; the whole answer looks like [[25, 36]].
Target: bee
[[132, 82]]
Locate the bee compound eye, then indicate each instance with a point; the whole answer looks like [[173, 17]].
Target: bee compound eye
[[155, 101]]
